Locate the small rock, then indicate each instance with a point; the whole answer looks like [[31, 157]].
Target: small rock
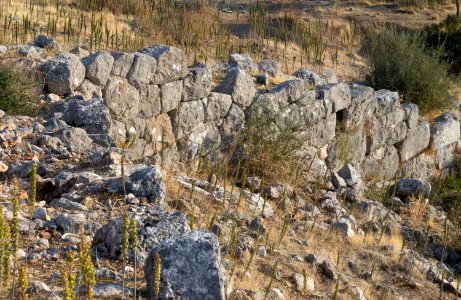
[[329, 270], [257, 225], [41, 214], [303, 283], [68, 204]]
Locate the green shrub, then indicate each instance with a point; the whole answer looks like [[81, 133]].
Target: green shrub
[[448, 35], [400, 61], [270, 150], [19, 91]]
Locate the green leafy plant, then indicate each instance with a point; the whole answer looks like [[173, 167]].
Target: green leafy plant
[[401, 61], [19, 91]]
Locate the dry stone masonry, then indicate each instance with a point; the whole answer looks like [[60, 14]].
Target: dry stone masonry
[[183, 113]]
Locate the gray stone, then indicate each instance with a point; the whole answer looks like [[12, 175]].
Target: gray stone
[[216, 106], [350, 174], [89, 90], [417, 141], [257, 226], [243, 62], [30, 52], [40, 214], [344, 226], [363, 105], [63, 73], [387, 101], [109, 290], [69, 223], [338, 181], [412, 187], [421, 166], [150, 103], [154, 226], [201, 141], [411, 115], [191, 267], [122, 63], [67, 204], [239, 85], [171, 63], [445, 131], [75, 139], [91, 115], [262, 79], [289, 91], [309, 77], [46, 42], [197, 83], [142, 70], [80, 52], [303, 283], [321, 133], [171, 95], [381, 164], [191, 116], [335, 96], [270, 67], [3, 50], [98, 67], [121, 98], [329, 270], [144, 182], [329, 76]]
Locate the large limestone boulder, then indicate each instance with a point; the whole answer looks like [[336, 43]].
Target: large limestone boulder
[[75, 139], [336, 96], [121, 98], [216, 106], [288, 91], [417, 141], [310, 77], [197, 83], [142, 70], [143, 182], [243, 62], [191, 268], [231, 125], [98, 67], [363, 105], [387, 101], [122, 63], [271, 67], [63, 73], [239, 85], [445, 131], [171, 95], [200, 142], [154, 225], [150, 102], [89, 90], [191, 115], [413, 187], [171, 63]]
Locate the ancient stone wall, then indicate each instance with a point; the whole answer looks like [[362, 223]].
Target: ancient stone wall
[[186, 112]]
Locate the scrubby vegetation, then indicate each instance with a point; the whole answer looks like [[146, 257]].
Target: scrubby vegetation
[[447, 35], [400, 60], [19, 91]]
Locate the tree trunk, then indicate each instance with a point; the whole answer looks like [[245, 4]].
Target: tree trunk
[[457, 8]]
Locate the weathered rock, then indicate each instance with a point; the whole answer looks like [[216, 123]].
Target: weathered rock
[[303, 283], [190, 267], [320, 133], [155, 226], [363, 105], [381, 165], [288, 91], [116, 95], [335, 96], [45, 42], [197, 84], [243, 62], [142, 70], [387, 101], [191, 116], [3, 50], [270, 67], [216, 106], [309, 77], [68, 204], [122, 63], [91, 115], [111, 291], [201, 141], [171, 95], [411, 187], [89, 90], [344, 226], [63, 73], [445, 131], [239, 85], [329, 270], [143, 182], [411, 115], [75, 139], [98, 67], [171, 63], [417, 141], [150, 103], [421, 166], [80, 51]]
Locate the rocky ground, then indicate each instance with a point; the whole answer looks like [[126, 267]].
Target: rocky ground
[[218, 237]]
